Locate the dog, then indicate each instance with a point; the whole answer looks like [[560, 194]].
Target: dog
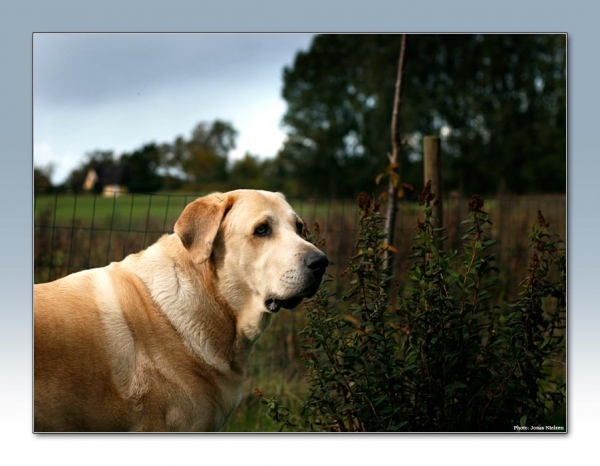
[[160, 341]]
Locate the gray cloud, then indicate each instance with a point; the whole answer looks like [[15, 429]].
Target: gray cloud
[[86, 69]]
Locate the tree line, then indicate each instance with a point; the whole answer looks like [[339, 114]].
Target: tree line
[[498, 101]]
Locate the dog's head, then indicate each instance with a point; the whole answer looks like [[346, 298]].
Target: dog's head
[[256, 243]]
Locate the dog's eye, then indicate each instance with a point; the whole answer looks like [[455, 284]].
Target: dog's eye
[[299, 227], [263, 230]]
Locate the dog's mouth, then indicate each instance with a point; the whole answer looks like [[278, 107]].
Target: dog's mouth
[[273, 303]]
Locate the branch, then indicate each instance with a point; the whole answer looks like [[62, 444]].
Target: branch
[[394, 157]]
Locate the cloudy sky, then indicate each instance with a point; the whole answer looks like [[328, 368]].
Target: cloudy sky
[[120, 91]]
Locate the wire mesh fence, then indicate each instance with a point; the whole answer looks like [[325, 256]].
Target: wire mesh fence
[[76, 230]]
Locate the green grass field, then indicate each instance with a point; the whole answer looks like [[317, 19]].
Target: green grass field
[[133, 211]]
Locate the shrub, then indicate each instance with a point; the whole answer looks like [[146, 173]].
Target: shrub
[[439, 357]]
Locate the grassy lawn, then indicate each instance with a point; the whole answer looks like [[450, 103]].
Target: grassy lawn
[[131, 211]]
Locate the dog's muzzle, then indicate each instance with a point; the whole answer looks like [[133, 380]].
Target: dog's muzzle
[[314, 265]]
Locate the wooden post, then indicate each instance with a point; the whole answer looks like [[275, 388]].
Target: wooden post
[[432, 156]]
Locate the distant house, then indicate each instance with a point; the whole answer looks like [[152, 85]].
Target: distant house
[[113, 190], [111, 178]]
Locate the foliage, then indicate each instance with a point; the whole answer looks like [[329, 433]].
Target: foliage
[[98, 160], [498, 100], [42, 179], [442, 358], [142, 169], [501, 100], [253, 173], [205, 157], [201, 160]]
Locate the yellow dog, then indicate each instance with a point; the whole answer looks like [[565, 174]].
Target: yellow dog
[[160, 340]]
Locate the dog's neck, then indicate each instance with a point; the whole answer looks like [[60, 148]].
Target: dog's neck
[[253, 321], [186, 290]]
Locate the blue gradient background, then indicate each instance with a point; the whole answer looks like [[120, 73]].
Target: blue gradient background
[[19, 21]]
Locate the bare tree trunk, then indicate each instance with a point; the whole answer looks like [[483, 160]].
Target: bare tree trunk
[[394, 159]]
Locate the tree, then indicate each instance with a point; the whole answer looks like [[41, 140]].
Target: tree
[[142, 168], [172, 156], [498, 100], [247, 173], [506, 121], [42, 178], [98, 160], [204, 159], [330, 110]]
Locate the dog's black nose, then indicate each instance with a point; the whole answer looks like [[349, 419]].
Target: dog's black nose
[[316, 261]]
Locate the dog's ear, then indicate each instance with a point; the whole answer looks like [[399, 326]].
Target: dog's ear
[[199, 224]]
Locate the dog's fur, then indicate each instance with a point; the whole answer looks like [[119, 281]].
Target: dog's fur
[[160, 340]]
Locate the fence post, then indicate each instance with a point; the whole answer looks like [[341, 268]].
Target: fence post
[[432, 156]]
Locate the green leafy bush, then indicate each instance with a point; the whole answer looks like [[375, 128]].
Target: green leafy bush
[[440, 357]]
